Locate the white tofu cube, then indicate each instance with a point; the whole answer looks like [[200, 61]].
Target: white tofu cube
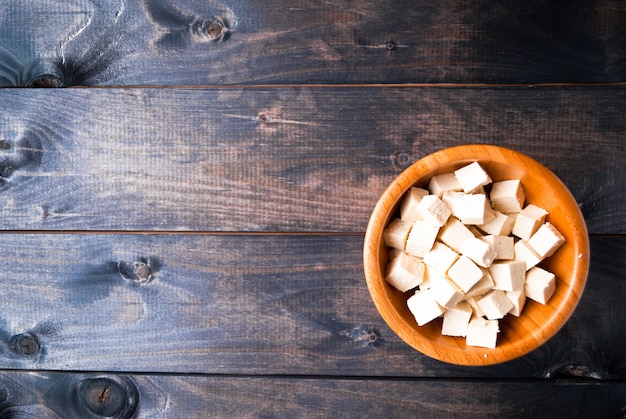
[[405, 272], [546, 240], [454, 234], [528, 221], [472, 177], [433, 210], [445, 292], [430, 276], [456, 320], [540, 285], [443, 183], [525, 253], [478, 312], [518, 298], [494, 304], [424, 308], [464, 273], [471, 209], [481, 332], [440, 257], [501, 225], [485, 284], [504, 246], [478, 251], [421, 238], [507, 196], [408, 207], [508, 275], [397, 233]]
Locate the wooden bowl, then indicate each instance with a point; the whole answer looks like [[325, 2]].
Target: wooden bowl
[[537, 323]]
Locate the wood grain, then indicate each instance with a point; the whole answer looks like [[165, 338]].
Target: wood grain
[[168, 42], [252, 305], [282, 159], [53, 395]]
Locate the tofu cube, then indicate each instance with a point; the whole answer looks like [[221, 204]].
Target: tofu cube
[[431, 275], [421, 238], [408, 207], [494, 304], [504, 246], [454, 234], [405, 272], [471, 209], [464, 273], [485, 284], [507, 196], [501, 225], [508, 275], [518, 298], [397, 233], [478, 312], [445, 292], [472, 177], [440, 257], [528, 221], [478, 251], [546, 240], [481, 332], [439, 184], [526, 254], [424, 308], [456, 320], [433, 210], [394, 253], [540, 285]]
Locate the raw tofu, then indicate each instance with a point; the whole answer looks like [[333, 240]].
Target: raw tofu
[[464, 273], [431, 275], [472, 177], [421, 238], [508, 275], [494, 304], [507, 196], [405, 272], [481, 332], [408, 207], [440, 257], [454, 234], [397, 233], [501, 225], [485, 284], [478, 251], [442, 183], [540, 285], [433, 210], [546, 240], [525, 253], [518, 298], [456, 320], [445, 292], [528, 221], [423, 306], [471, 209], [477, 310], [504, 246]]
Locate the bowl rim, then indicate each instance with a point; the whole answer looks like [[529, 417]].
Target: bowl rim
[[377, 286]]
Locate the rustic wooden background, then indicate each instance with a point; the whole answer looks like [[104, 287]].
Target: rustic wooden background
[[233, 153]]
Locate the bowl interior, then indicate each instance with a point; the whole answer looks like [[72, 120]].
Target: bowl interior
[[537, 323]]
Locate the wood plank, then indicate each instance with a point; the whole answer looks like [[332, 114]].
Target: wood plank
[[189, 42], [282, 159], [53, 395], [251, 304]]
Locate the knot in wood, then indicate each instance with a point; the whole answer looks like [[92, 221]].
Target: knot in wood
[[137, 271], [47, 80], [111, 397], [214, 29], [25, 344], [390, 45]]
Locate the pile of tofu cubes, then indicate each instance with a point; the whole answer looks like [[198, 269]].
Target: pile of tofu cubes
[[470, 255]]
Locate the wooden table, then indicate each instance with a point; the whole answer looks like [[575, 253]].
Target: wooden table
[[182, 234]]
